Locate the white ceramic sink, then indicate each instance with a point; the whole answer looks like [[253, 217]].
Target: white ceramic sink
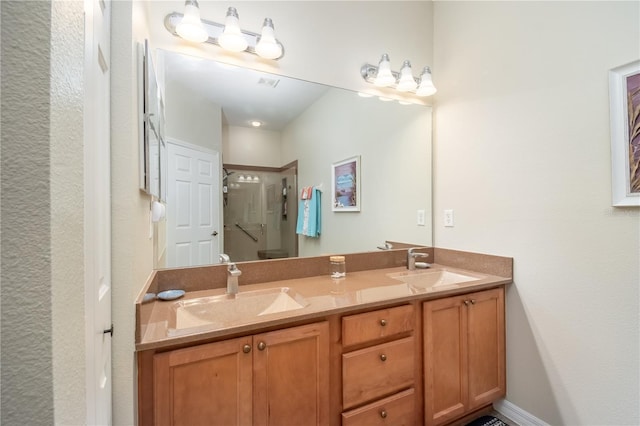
[[421, 280], [225, 310]]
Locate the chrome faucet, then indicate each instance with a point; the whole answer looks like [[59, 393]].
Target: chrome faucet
[[232, 274], [411, 259]]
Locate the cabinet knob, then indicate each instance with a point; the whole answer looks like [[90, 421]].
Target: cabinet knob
[[473, 301], [262, 346], [383, 322], [246, 349], [383, 357], [383, 414], [466, 303]]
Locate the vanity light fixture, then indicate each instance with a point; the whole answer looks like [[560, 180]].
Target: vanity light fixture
[[229, 35], [402, 81], [190, 26], [426, 87], [384, 76], [232, 38], [406, 82]]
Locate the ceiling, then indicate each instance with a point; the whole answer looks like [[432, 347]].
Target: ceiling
[[244, 94]]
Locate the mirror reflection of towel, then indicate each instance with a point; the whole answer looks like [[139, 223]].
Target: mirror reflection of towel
[[309, 220]]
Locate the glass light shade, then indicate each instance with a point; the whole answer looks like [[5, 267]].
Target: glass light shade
[[406, 82], [426, 87], [384, 76], [190, 27], [267, 46], [232, 38]]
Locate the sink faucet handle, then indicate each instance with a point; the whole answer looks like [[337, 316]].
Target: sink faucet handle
[[224, 258], [233, 270], [414, 254]]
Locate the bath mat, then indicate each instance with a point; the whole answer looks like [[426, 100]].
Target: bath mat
[[487, 421]]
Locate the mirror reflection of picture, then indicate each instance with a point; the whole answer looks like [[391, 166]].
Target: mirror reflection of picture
[[346, 185]]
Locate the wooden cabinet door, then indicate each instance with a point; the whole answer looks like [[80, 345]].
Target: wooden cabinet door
[[204, 385], [464, 354], [486, 347], [445, 366], [291, 376]]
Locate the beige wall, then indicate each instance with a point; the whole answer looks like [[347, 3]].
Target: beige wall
[[189, 118], [27, 232], [251, 147], [522, 156]]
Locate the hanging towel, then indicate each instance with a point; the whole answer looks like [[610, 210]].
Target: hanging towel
[[309, 220]]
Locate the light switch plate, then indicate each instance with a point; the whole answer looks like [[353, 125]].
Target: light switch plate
[[420, 217], [448, 218]]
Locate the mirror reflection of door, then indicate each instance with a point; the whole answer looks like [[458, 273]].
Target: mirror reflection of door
[[259, 214], [192, 205]]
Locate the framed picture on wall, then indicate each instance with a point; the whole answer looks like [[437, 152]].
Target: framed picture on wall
[[345, 185], [624, 93]]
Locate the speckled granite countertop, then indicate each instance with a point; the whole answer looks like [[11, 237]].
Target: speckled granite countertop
[[170, 323]]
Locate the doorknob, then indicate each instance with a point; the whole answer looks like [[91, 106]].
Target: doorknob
[[214, 233]]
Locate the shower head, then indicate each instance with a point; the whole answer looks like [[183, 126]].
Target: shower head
[[226, 174]]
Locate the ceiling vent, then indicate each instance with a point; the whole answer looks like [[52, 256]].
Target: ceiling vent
[[268, 82]]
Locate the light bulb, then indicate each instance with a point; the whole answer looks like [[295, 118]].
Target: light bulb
[[190, 26], [384, 76], [267, 46], [232, 38], [406, 82], [426, 87]]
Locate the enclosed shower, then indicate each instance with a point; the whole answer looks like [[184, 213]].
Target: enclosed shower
[[259, 212]]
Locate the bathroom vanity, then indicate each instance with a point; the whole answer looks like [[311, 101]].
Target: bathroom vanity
[[383, 346]]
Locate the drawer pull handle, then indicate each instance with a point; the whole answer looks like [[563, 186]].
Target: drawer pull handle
[[383, 414], [246, 349], [383, 357], [262, 346], [383, 322]]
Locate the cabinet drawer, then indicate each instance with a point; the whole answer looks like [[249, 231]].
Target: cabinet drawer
[[362, 328], [377, 371], [396, 410]]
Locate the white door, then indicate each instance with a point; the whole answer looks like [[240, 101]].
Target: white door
[[193, 206], [97, 211]]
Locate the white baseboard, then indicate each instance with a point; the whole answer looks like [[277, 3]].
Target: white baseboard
[[517, 414]]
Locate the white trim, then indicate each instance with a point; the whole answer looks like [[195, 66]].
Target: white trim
[[517, 414]]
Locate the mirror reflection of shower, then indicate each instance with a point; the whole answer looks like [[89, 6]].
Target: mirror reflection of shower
[[259, 212]]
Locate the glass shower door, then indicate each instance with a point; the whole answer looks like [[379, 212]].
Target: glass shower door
[[255, 215]]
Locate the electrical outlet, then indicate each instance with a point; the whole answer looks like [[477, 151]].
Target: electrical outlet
[[448, 218], [420, 214]]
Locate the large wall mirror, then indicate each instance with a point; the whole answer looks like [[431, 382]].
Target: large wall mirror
[[241, 145]]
